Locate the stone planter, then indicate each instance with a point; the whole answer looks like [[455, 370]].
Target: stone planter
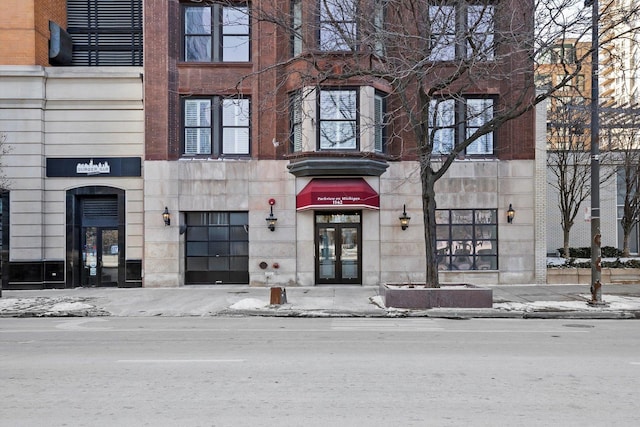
[[449, 296]]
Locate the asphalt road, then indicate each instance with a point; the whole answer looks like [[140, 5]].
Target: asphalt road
[[318, 372]]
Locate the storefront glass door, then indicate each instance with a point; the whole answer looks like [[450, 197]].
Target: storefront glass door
[[100, 259], [338, 248]]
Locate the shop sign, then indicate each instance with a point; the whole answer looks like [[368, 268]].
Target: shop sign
[[96, 166]]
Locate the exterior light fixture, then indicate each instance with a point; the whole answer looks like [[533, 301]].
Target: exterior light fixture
[[166, 216], [510, 214], [404, 218], [271, 219]]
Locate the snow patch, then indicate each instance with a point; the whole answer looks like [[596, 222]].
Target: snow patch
[[249, 304]]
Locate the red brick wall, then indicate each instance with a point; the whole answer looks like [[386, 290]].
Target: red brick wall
[[167, 79]]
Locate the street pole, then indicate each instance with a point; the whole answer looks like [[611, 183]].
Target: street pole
[[596, 238]]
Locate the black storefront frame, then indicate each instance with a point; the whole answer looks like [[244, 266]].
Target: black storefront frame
[[318, 226], [74, 228]]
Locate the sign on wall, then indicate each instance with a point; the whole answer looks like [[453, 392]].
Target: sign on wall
[[94, 166]]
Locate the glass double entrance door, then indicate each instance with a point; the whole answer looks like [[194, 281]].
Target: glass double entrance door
[[338, 248], [100, 256]]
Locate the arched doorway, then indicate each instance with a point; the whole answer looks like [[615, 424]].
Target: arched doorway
[[95, 237]]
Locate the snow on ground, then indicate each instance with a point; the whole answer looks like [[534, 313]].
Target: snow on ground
[[614, 303], [249, 304]]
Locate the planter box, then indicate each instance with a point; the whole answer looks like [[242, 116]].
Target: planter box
[[450, 296], [560, 276]]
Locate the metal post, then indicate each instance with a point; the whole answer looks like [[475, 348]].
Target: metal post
[[596, 239]]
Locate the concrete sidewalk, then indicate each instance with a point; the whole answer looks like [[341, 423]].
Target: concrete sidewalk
[[513, 301]]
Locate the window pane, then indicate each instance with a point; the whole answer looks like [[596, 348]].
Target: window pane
[[235, 20], [218, 263], [197, 141], [197, 264], [197, 49], [338, 24], [235, 48], [239, 218], [296, 25], [480, 23], [197, 249], [238, 232], [337, 135], [479, 112], [338, 105], [235, 112], [197, 112], [235, 141], [379, 123], [219, 248], [196, 218], [196, 233], [239, 248], [443, 33], [218, 233], [462, 216], [197, 20]]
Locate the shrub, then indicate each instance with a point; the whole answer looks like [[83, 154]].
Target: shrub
[[585, 252]]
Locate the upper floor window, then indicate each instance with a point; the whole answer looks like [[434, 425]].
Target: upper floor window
[[452, 121], [216, 33], [379, 134], [338, 119], [461, 30], [563, 54], [338, 25], [216, 126]]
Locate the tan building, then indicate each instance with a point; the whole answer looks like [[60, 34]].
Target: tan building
[[71, 113]]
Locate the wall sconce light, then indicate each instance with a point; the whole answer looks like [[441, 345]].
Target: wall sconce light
[[510, 214], [404, 218], [166, 217], [271, 219]]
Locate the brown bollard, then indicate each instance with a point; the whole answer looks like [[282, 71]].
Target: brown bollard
[[278, 296]]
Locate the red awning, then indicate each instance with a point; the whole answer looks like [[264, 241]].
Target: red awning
[[338, 193]]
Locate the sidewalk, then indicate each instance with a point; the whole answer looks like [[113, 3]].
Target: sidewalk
[[509, 301]]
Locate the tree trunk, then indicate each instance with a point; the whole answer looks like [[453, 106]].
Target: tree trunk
[[565, 235], [625, 242], [429, 215]]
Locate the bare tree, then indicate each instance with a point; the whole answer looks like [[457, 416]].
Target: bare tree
[[623, 132], [428, 56], [568, 162]]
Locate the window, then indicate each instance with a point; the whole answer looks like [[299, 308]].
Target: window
[[105, 32], [217, 247], [454, 38], [379, 123], [338, 27], [467, 239], [216, 33], [296, 27], [563, 54], [216, 126], [295, 113], [445, 117], [338, 118]]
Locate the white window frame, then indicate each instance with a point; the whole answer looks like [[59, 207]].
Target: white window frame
[[220, 125], [338, 119]]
